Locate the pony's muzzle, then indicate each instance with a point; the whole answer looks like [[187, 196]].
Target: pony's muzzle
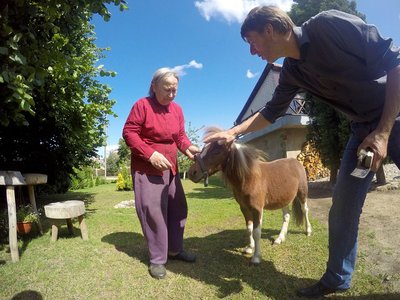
[[195, 174]]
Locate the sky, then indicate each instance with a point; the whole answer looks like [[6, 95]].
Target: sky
[[201, 40]]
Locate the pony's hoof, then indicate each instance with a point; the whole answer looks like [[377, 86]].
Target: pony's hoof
[[255, 260], [248, 250], [278, 241]]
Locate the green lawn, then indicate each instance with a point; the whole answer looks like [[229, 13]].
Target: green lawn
[[113, 263]]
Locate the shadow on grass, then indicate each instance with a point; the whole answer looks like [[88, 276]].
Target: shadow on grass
[[219, 193], [130, 243], [219, 263], [216, 189], [28, 294]]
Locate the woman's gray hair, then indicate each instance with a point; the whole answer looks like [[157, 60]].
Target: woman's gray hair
[[159, 75]]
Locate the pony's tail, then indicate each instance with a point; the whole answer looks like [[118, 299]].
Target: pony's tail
[[297, 211]]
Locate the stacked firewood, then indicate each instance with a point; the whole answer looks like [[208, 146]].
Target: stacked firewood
[[311, 160]]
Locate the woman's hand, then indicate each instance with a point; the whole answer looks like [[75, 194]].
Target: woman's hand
[[159, 161], [191, 151]]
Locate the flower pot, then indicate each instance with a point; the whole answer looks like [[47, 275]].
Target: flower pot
[[24, 228]]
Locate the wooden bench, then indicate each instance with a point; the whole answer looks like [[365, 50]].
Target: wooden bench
[[66, 210]]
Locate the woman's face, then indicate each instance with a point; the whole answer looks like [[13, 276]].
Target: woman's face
[[165, 90]]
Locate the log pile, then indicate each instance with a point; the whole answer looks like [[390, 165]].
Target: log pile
[[311, 160]]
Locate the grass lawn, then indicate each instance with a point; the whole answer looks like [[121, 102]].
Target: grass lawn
[[112, 264]]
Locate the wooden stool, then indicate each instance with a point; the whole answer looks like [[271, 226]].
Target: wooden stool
[[66, 210]]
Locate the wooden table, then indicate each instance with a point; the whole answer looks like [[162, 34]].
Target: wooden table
[[10, 179]]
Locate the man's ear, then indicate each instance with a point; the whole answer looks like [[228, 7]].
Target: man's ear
[[268, 29]]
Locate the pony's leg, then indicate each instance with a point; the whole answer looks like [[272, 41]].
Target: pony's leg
[[286, 218], [249, 224], [257, 215], [250, 247], [304, 208]]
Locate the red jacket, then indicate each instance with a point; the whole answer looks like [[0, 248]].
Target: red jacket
[[151, 127]]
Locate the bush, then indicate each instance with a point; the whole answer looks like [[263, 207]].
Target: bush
[[124, 180], [84, 178]]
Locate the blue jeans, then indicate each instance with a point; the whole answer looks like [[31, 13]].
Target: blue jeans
[[347, 201]]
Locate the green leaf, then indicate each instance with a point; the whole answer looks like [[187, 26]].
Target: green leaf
[[16, 38], [123, 7], [5, 75], [19, 58], [13, 45], [3, 50]]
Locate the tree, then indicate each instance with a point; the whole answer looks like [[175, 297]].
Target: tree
[[113, 163], [53, 107], [124, 153], [329, 129], [183, 161]]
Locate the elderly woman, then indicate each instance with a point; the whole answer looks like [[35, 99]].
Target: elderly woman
[[154, 131]]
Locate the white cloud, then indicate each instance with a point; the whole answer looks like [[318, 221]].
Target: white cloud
[[235, 10], [250, 74], [192, 64]]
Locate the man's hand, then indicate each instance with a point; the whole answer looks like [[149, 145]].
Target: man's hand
[[191, 151], [223, 136], [377, 142], [159, 161]]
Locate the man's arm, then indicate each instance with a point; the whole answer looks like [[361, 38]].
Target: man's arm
[[377, 140], [254, 123]]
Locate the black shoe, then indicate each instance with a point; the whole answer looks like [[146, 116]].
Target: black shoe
[[157, 271], [183, 256], [317, 290]]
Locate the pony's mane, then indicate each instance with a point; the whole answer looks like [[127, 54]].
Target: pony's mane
[[242, 165], [210, 130]]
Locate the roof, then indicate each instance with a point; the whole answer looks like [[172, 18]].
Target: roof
[[263, 91]]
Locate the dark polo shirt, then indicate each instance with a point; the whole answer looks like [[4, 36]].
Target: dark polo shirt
[[343, 62]]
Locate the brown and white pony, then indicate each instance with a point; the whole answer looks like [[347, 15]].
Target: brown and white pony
[[256, 185]]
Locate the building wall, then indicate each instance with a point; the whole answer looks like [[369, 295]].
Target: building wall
[[264, 94], [281, 143]]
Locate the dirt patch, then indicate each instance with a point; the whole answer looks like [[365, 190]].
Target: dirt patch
[[379, 239]]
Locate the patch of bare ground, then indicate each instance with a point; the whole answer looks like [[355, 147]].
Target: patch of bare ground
[[379, 238]]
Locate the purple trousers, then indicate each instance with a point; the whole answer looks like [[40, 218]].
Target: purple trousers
[[162, 210]]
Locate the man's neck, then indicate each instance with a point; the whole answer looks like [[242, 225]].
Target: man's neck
[[292, 50]]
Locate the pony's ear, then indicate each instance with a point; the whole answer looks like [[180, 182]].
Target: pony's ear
[[222, 142]]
